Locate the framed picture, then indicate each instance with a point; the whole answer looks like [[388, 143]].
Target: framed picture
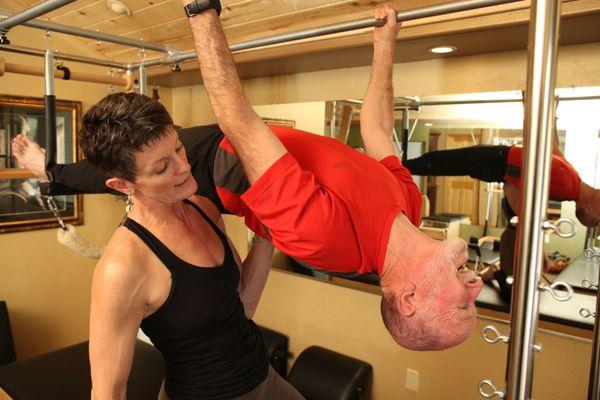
[[22, 207], [280, 122]]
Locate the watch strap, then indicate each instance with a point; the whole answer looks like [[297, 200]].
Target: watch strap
[[198, 6]]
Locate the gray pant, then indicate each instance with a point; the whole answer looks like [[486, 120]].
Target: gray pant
[[273, 387]]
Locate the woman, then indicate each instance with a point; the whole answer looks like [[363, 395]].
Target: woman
[[170, 269]]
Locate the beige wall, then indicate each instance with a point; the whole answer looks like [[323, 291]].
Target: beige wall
[[316, 313], [578, 66], [46, 286]]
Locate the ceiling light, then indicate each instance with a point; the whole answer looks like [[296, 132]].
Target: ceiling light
[[428, 124], [442, 49], [117, 7]]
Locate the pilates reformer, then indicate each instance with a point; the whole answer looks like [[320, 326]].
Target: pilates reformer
[[541, 78]]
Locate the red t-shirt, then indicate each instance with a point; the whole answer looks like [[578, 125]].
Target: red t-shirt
[[327, 204]]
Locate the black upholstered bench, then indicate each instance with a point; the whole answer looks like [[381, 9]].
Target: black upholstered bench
[[65, 375], [321, 374]]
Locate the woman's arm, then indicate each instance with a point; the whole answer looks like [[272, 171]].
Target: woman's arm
[[255, 270], [117, 310]]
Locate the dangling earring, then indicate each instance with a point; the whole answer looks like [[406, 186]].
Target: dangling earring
[[129, 205]]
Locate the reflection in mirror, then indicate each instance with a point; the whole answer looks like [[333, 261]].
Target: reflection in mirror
[[463, 151]]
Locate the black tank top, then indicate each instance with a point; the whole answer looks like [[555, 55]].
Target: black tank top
[[211, 350]]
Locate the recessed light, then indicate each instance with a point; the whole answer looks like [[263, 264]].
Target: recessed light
[[117, 7], [442, 49]]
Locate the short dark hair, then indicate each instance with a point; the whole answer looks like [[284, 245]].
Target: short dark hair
[[119, 125]]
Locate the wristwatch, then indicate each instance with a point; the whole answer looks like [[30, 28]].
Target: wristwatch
[[198, 6]]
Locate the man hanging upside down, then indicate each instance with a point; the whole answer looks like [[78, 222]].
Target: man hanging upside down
[[336, 209], [322, 202]]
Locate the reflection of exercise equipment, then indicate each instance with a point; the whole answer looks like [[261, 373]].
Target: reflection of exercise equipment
[[443, 226], [485, 254]]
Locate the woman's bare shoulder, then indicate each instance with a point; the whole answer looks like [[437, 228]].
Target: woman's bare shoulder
[[124, 262]]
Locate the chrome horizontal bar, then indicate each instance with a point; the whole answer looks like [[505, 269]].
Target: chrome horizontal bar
[[407, 15], [70, 30], [31, 13], [62, 56]]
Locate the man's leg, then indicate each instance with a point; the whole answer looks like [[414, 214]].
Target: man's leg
[[30, 155], [80, 176], [484, 162], [565, 184]]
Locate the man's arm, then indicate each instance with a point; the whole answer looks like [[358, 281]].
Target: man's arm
[[377, 114], [257, 147]]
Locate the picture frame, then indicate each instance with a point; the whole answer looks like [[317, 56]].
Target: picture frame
[[22, 208]]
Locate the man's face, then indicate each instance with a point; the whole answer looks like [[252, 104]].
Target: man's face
[[455, 288]]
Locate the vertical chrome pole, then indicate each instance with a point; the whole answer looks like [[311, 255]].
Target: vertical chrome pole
[[594, 386], [541, 79], [590, 238], [49, 72], [143, 79], [405, 132]]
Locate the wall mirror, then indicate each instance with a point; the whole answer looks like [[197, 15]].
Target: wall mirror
[[460, 206]]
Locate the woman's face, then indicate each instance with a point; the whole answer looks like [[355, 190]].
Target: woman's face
[[162, 170]]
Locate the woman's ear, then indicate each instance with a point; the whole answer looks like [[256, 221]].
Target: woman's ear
[[120, 185]]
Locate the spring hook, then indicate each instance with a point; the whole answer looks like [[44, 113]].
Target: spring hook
[[492, 336], [586, 283], [556, 227], [585, 313], [552, 290], [592, 254], [491, 391]]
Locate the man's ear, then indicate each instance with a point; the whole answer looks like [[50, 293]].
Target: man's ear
[[405, 300], [120, 185]]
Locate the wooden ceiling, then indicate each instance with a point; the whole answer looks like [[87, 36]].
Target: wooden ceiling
[[163, 22]]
